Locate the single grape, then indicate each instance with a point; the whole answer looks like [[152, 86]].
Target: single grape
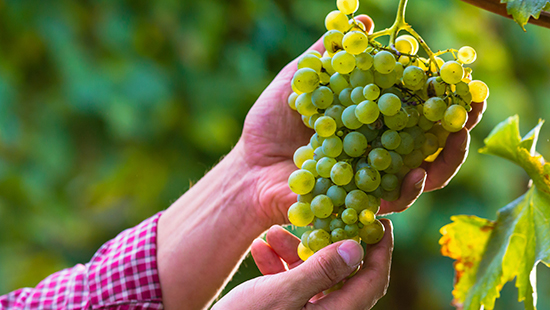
[[355, 144], [396, 163], [338, 234], [337, 20], [304, 237], [333, 43], [360, 77], [379, 159], [397, 121], [316, 141], [424, 123], [324, 166], [322, 97], [332, 146], [414, 159], [352, 230], [324, 224], [327, 65], [345, 97], [307, 198], [367, 217], [299, 214], [399, 70], [430, 145], [434, 109], [371, 92], [306, 80], [292, 100], [302, 154], [337, 194], [310, 61], [341, 173], [347, 7], [452, 72], [322, 206], [455, 118], [318, 239], [325, 126], [303, 252], [364, 61], [311, 166], [312, 119], [349, 216], [389, 104], [413, 42], [357, 95], [321, 186], [390, 139], [357, 199], [389, 182], [384, 62], [336, 223], [413, 75], [338, 83], [412, 116], [301, 182], [467, 55], [385, 80], [392, 195], [343, 62], [418, 136], [407, 144], [349, 119], [305, 106], [435, 88], [335, 111], [367, 179], [367, 112], [435, 66], [479, 91], [355, 42], [372, 233], [403, 45]]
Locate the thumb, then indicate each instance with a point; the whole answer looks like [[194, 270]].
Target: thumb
[[321, 271]]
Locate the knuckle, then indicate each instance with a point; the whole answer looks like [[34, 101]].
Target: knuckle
[[328, 271]]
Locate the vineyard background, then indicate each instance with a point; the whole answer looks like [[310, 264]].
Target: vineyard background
[[110, 109]]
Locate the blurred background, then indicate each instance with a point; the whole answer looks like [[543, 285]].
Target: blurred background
[[110, 109]]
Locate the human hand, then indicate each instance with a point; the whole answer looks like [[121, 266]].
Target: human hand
[[272, 132], [301, 286]]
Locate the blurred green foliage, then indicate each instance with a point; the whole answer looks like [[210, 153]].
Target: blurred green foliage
[[110, 109]]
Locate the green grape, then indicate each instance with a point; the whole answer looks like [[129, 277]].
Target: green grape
[[324, 78], [434, 109], [374, 204], [389, 182], [318, 239], [316, 141], [306, 80], [355, 144], [304, 105], [338, 83], [364, 61], [385, 80], [349, 216], [407, 144], [412, 116], [349, 187], [332, 146], [431, 145], [337, 20], [352, 230], [396, 163], [322, 223], [322, 97], [343, 62], [403, 45], [414, 159], [413, 42], [372, 233], [367, 179], [397, 121], [454, 120], [418, 136], [307, 198], [325, 126], [355, 42], [303, 252], [424, 123], [322, 206], [341, 173], [384, 62], [327, 64], [310, 61], [392, 195], [360, 77], [299, 214], [371, 92], [389, 104], [413, 76], [435, 66], [452, 72], [479, 91], [357, 95], [347, 7], [333, 43], [324, 166], [349, 119], [367, 112], [357, 199], [338, 234], [370, 134], [379, 159], [336, 223], [302, 154], [321, 186], [391, 139], [301, 182], [312, 119], [366, 217], [467, 55], [337, 194], [305, 120], [399, 70], [311, 166], [335, 111], [292, 100], [435, 88], [304, 237], [345, 97], [462, 89]]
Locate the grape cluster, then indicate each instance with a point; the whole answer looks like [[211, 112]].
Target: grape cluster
[[377, 112]]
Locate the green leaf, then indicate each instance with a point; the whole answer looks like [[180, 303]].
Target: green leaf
[[489, 254], [522, 10]]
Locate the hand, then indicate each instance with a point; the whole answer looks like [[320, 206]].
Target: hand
[[302, 285], [272, 132]]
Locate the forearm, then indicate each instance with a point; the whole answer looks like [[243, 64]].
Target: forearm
[[204, 235]]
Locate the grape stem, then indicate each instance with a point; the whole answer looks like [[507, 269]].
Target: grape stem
[[399, 25]]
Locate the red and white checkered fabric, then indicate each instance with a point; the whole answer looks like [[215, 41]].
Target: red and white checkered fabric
[[122, 275]]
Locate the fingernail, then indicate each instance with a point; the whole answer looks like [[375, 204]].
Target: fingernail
[[420, 183], [351, 252]]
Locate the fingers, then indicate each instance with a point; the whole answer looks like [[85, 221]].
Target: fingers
[[365, 288], [474, 117], [411, 188], [447, 164], [267, 261], [284, 244], [367, 21]]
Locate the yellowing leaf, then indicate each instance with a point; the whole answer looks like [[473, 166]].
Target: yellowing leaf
[[522, 10]]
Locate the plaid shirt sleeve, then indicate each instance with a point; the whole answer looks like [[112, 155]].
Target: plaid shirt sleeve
[[121, 275]]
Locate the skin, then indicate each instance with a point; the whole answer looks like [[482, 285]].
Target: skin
[[205, 234]]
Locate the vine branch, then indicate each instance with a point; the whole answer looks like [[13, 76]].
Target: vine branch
[[500, 8]]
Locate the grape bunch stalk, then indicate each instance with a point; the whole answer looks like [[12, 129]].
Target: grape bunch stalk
[[378, 111]]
